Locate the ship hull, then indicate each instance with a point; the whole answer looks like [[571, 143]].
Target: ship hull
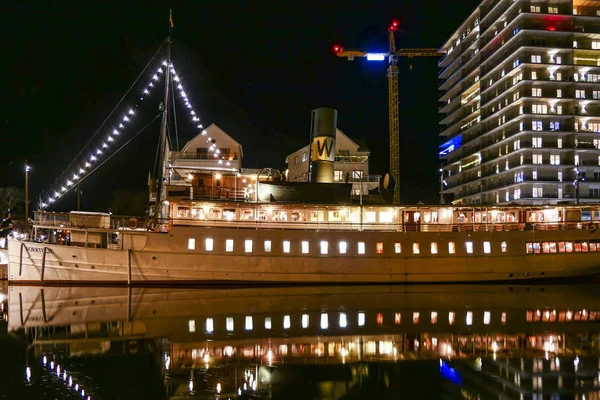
[[156, 258]]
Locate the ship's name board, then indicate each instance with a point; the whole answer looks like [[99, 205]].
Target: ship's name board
[[323, 149], [38, 250]]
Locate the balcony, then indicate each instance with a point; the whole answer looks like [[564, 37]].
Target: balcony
[[226, 161]]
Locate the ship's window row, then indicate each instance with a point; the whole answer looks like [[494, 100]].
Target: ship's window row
[[361, 247], [578, 246], [562, 316], [342, 319]]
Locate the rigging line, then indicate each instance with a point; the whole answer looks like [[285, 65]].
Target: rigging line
[[113, 111], [154, 169], [169, 138], [112, 155], [175, 116]]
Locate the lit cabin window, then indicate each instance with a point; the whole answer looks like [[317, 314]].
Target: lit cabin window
[[416, 248], [209, 244], [305, 320], [267, 246], [487, 316], [286, 246], [386, 216], [324, 321], [343, 320], [229, 245], [268, 323], [248, 246], [398, 318], [305, 247], [451, 248], [343, 247], [469, 319], [469, 247], [229, 324], [379, 319], [361, 247], [397, 248], [434, 248], [379, 248], [361, 319], [324, 247], [191, 244], [287, 322], [249, 323], [416, 316], [210, 327], [370, 216], [503, 318], [504, 247], [192, 325], [569, 247], [434, 317], [451, 318], [487, 247]]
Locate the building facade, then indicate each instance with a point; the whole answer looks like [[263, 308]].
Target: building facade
[[520, 104], [351, 164]]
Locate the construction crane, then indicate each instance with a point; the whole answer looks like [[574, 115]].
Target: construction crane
[[392, 74]]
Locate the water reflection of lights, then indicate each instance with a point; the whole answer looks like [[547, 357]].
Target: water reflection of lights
[[270, 356], [28, 374], [64, 376], [191, 385], [219, 387]]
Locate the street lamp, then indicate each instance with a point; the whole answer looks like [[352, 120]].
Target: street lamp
[[27, 169]]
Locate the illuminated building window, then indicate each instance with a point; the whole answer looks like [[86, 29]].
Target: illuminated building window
[[379, 319], [267, 246], [305, 320], [209, 244], [287, 322], [324, 321], [434, 317], [191, 244], [268, 323], [343, 246], [361, 319], [397, 248], [249, 323], [451, 248], [487, 316], [487, 247], [209, 325], [386, 216], [434, 248], [229, 245], [361, 247], [469, 247], [192, 325], [324, 247], [286, 246], [305, 247], [248, 246], [504, 247], [343, 320], [229, 324], [379, 247], [415, 248], [415, 318], [469, 318], [451, 318], [397, 318]]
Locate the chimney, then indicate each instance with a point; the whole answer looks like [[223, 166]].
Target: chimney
[[323, 144]]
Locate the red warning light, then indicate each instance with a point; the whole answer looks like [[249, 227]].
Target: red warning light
[[337, 48], [395, 24]]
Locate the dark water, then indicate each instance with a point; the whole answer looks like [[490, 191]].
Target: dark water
[[350, 342]]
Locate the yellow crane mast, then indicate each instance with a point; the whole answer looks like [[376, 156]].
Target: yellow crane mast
[[392, 74]]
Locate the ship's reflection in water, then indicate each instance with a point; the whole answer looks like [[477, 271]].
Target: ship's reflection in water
[[352, 342]]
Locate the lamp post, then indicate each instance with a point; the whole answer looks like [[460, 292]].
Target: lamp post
[[27, 169]]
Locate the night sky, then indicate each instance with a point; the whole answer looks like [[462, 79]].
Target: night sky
[[255, 68]]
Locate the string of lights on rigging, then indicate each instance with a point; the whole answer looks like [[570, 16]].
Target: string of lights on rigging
[[85, 168]]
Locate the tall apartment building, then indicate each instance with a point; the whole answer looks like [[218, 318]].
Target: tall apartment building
[[520, 103]]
